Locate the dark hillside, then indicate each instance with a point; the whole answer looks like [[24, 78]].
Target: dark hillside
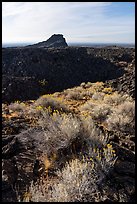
[[51, 70]]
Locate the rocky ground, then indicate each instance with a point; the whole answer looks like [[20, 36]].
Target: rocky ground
[[56, 69], [40, 137]]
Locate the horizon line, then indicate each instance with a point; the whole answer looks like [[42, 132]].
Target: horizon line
[[26, 42]]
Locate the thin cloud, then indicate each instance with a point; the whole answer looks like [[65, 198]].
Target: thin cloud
[[36, 21]]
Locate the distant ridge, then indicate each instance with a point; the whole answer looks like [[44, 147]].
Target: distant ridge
[[56, 40], [72, 44]]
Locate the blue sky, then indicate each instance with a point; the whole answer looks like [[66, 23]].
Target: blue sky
[[94, 22]]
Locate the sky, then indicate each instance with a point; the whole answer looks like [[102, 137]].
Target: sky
[[85, 22]]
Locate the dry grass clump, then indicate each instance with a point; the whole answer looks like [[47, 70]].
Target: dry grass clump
[[75, 184], [104, 157], [59, 129], [52, 102], [38, 192], [98, 86], [101, 112], [122, 118], [17, 106], [74, 95], [116, 99], [116, 111], [97, 147], [83, 84], [98, 96], [93, 136], [78, 93], [84, 91], [70, 125], [78, 181], [78, 89], [89, 125], [88, 85], [88, 106]]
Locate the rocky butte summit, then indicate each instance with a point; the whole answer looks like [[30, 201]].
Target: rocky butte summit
[[56, 40]]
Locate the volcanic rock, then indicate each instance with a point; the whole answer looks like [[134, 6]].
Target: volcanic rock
[[31, 72]]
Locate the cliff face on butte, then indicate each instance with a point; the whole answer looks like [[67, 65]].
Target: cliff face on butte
[[56, 40]]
